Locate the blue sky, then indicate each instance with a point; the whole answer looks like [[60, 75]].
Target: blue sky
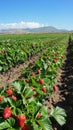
[[36, 13]]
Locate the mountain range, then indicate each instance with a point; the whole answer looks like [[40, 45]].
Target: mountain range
[[47, 29]]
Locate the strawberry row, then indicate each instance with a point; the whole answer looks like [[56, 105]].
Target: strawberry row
[[16, 51], [22, 103]]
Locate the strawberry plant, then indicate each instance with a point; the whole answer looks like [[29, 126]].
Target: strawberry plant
[[22, 103]]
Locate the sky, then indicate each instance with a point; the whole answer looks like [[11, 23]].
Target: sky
[[36, 13]]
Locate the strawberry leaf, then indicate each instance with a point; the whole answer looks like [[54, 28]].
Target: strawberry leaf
[[59, 115]]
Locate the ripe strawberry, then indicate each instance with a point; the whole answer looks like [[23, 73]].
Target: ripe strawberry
[[44, 89], [38, 115], [9, 92], [32, 88], [38, 71], [41, 81], [32, 74], [31, 67], [25, 127], [54, 60], [27, 80], [53, 53], [21, 120], [35, 93], [55, 88], [1, 97], [7, 112], [14, 97], [62, 57]]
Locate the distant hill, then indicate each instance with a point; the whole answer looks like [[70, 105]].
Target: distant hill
[[47, 29]]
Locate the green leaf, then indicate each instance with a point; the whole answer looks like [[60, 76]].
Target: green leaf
[[12, 129], [44, 111], [0, 68], [59, 115], [12, 102], [4, 125], [45, 65], [28, 93], [35, 126], [17, 86], [45, 124], [11, 121]]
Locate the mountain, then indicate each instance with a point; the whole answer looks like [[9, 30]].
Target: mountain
[[47, 29]]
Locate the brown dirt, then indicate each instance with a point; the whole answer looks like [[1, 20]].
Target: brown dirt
[[63, 97], [15, 72]]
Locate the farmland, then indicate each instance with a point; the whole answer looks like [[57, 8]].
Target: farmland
[[27, 100]]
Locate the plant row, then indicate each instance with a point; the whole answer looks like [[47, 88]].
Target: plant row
[[22, 104], [16, 51]]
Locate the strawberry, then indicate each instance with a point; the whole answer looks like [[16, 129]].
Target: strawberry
[[54, 60], [41, 81], [21, 120], [38, 71], [1, 97], [9, 92], [32, 88], [32, 74], [38, 115], [14, 97], [35, 93], [55, 88], [62, 57], [53, 53], [31, 67], [7, 112], [27, 80], [25, 127], [44, 89]]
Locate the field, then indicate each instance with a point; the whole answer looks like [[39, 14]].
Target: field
[[35, 74]]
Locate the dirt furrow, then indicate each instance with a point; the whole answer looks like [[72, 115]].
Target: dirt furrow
[[63, 97], [15, 72]]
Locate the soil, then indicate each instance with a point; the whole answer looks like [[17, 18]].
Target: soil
[[63, 97], [15, 72]]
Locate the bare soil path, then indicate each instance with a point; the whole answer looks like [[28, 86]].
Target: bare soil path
[[15, 72], [64, 96]]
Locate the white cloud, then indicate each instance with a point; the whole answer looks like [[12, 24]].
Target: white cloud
[[20, 25]]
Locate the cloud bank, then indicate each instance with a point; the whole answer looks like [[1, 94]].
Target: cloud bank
[[20, 25]]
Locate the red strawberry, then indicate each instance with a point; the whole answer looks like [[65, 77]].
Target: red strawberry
[[9, 92], [27, 80], [1, 97], [54, 60], [25, 127], [38, 71], [53, 53], [55, 88], [32, 74], [38, 115], [7, 112], [44, 89], [14, 97], [31, 67], [32, 88], [35, 93], [21, 120], [62, 57], [41, 81]]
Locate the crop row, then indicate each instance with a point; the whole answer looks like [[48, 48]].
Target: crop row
[[22, 104], [16, 51]]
